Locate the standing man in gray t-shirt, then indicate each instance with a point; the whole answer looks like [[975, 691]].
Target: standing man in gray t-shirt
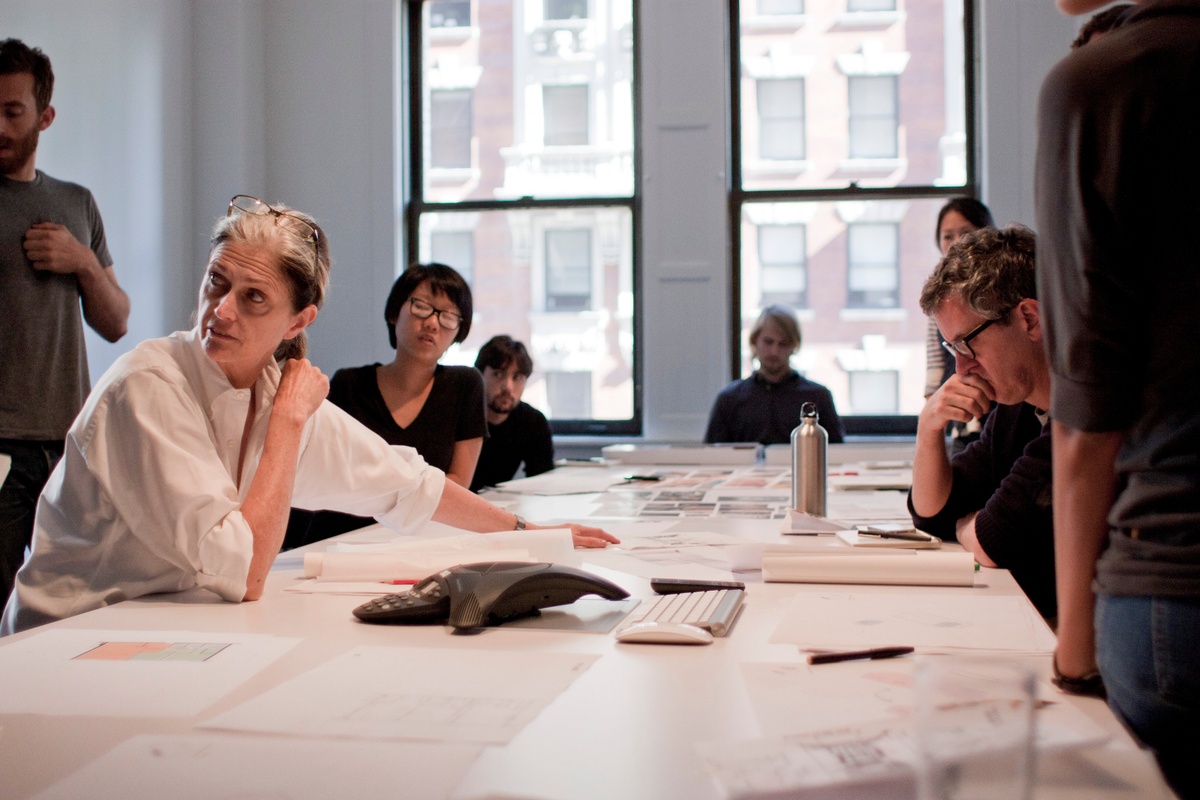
[[53, 259]]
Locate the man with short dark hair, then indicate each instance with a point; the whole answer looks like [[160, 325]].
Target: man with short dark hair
[[994, 496], [517, 432], [53, 259]]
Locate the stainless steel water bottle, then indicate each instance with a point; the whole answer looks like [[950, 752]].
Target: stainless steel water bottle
[[810, 443]]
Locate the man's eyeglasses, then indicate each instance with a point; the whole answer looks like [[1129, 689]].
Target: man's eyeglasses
[[295, 223], [962, 347], [450, 320]]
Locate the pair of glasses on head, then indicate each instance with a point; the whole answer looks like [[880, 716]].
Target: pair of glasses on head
[[962, 347], [245, 204], [450, 320]]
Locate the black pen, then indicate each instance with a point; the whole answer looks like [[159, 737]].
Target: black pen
[[854, 655], [632, 478], [908, 536]]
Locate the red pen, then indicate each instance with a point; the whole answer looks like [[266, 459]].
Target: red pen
[[401, 582]]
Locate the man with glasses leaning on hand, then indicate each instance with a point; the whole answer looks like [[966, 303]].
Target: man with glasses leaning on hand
[[993, 497]]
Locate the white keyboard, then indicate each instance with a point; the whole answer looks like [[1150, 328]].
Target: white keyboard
[[713, 610]]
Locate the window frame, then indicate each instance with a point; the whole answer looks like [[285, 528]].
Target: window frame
[[415, 205], [904, 425]]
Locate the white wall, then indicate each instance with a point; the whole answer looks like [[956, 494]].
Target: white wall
[[166, 108]]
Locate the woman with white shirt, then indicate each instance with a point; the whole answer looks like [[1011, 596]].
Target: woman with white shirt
[[180, 469]]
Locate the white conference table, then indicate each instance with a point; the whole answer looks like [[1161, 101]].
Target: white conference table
[[626, 728]]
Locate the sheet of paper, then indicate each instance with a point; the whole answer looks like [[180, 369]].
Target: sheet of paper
[[672, 540], [868, 760], [856, 507], [553, 544], [356, 588], [691, 502], [797, 697], [798, 522], [929, 622], [151, 767], [562, 481], [410, 564], [5, 465], [130, 673], [890, 567], [856, 539], [431, 694]]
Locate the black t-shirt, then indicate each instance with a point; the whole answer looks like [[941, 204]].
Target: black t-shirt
[[1118, 278], [523, 437], [1005, 476], [453, 412]]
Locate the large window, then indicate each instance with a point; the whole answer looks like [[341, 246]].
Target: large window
[[522, 177], [853, 128]]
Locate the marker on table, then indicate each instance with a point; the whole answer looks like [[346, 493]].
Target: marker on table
[[401, 582], [855, 655]]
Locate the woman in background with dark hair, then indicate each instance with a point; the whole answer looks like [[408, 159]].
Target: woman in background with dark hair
[[413, 400], [958, 217]]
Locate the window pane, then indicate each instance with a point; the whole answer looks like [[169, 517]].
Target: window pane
[[569, 395], [846, 328], [450, 129], [781, 119], [550, 88], [561, 281], [455, 249], [566, 9], [874, 392], [870, 5], [873, 273], [914, 115], [450, 13], [781, 253], [566, 110], [768, 7], [568, 269], [873, 117]]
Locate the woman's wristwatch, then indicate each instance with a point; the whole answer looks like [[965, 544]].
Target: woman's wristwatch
[[519, 525], [1089, 685]]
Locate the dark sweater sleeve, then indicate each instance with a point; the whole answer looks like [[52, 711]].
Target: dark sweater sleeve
[[976, 473], [718, 420], [472, 421], [539, 457], [829, 418], [1016, 526]]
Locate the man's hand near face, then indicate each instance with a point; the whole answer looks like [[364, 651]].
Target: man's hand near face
[[962, 398]]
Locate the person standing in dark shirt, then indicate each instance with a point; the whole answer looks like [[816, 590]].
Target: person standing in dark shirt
[[517, 432], [1117, 170], [765, 407]]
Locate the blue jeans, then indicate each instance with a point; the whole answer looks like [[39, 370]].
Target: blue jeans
[[1149, 655], [32, 462]]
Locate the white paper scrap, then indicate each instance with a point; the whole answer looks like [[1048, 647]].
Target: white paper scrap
[[447, 695], [73, 672]]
